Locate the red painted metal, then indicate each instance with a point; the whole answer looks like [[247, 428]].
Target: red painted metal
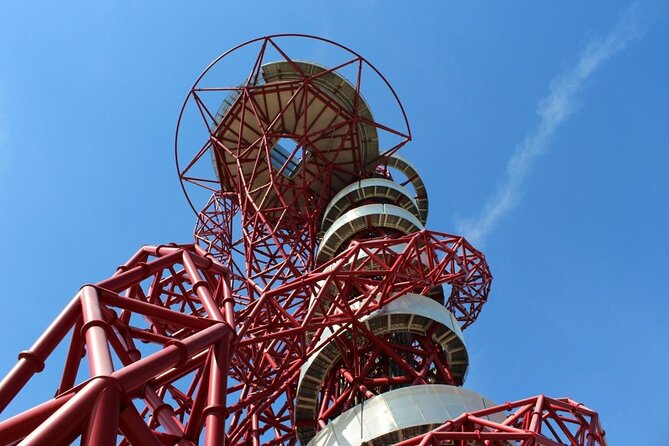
[[204, 343], [170, 297], [533, 421], [363, 371]]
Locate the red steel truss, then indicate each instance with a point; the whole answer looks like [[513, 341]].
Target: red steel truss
[[157, 337], [533, 421], [215, 343]]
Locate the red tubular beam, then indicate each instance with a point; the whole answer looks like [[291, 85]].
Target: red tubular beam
[[103, 425], [490, 436], [95, 330], [64, 425], [135, 430], [199, 286], [255, 430], [437, 437], [334, 407], [491, 424], [137, 273], [137, 373], [216, 412], [208, 264], [175, 373], [151, 310], [17, 427], [171, 248], [535, 423], [228, 303], [204, 256], [163, 413], [140, 255], [148, 336], [194, 426], [74, 355], [365, 391], [515, 416], [32, 361]]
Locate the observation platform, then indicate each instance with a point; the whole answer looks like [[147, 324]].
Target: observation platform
[[401, 414], [377, 189], [367, 217], [409, 170], [297, 131], [411, 313]]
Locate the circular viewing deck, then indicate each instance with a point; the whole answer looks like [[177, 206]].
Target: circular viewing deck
[[292, 124], [411, 313], [400, 414], [376, 189], [369, 216]]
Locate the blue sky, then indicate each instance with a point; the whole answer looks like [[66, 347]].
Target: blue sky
[[575, 92]]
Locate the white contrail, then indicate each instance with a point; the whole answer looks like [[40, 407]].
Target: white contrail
[[554, 109]]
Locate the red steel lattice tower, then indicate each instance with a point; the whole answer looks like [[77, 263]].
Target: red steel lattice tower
[[313, 308]]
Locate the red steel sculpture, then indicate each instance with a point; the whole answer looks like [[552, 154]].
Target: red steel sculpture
[[314, 307]]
